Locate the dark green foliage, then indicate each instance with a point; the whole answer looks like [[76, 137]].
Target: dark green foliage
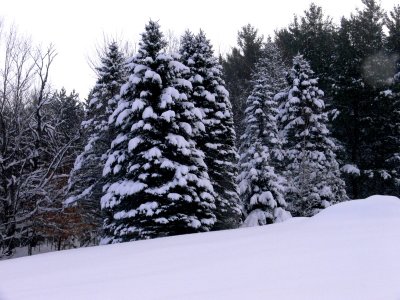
[[358, 84], [238, 67], [313, 36], [393, 24], [68, 113]]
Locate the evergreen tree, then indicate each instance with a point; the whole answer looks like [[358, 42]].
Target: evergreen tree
[[261, 185], [383, 173], [217, 141], [312, 35], [238, 67], [393, 25], [360, 71], [156, 179], [387, 114], [394, 157], [382, 140], [312, 170], [85, 183], [67, 112]]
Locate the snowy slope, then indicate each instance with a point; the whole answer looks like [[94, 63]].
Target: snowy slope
[[349, 251]]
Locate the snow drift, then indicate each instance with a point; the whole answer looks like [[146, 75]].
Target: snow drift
[[348, 251]]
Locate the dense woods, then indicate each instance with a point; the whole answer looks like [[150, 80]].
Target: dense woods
[[174, 140]]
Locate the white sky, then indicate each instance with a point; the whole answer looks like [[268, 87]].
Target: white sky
[[75, 27]]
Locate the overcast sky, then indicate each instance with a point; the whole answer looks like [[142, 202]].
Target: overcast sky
[[76, 26]]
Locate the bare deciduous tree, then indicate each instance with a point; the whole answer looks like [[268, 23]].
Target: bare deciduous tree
[[34, 150]]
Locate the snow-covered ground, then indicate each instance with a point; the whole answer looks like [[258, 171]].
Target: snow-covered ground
[[349, 251]]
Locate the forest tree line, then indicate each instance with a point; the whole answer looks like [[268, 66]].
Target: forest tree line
[[171, 143]]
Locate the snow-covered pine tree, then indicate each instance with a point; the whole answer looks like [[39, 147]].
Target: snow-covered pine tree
[[217, 141], [157, 181], [261, 185], [238, 66], [85, 183], [312, 170]]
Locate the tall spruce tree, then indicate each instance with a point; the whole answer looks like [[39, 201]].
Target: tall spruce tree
[[360, 77], [394, 157], [238, 67], [262, 188], [384, 143], [313, 173], [393, 38], [157, 181], [85, 183], [389, 133], [217, 141], [382, 140], [314, 36]]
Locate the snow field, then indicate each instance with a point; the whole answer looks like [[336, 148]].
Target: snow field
[[348, 251]]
